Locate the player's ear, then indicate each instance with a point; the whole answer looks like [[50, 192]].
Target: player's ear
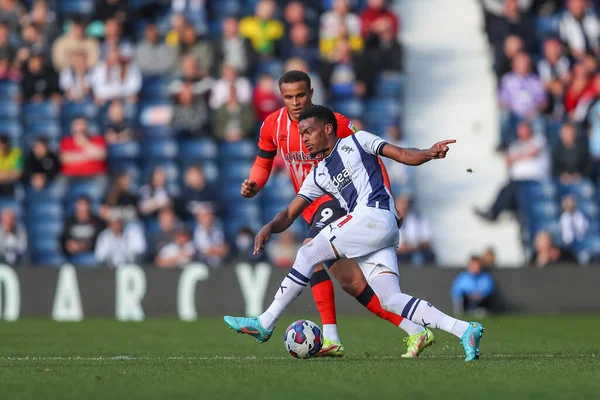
[[328, 129], [311, 91]]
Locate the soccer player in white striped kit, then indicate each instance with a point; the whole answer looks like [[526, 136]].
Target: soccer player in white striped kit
[[351, 173]]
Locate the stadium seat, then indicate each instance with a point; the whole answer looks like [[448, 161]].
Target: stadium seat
[[9, 109], [278, 187], [10, 91], [155, 87], [40, 230], [243, 150], [84, 260], [389, 85], [154, 113], [584, 190], [47, 129], [71, 111], [226, 8], [52, 192], [171, 168], [124, 151], [235, 171], [197, 151], [92, 188], [37, 112], [532, 191], [47, 245], [384, 111], [51, 259], [351, 108], [12, 128], [75, 7], [46, 211], [160, 148], [156, 131], [272, 68]]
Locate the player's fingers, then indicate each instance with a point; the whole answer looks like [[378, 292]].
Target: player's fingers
[[448, 141]]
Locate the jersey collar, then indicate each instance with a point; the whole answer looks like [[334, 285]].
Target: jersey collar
[[332, 150]]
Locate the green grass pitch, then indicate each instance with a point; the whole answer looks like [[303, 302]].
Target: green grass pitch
[[523, 357]]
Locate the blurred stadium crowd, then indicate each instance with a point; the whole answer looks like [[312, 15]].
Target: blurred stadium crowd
[[546, 57], [126, 127]]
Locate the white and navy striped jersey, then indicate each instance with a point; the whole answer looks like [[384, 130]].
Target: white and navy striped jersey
[[352, 174]]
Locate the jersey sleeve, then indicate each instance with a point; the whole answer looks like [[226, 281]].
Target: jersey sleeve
[[310, 190], [372, 144], [267, 147], [345, 126]]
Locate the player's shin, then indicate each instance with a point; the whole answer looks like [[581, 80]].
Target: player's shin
[[324, 295], [309, 255], [419, 311]]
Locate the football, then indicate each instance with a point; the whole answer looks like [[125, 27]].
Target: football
[[303, 339]]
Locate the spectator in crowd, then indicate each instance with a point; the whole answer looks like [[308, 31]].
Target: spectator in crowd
[[592, 123], [209, 239], [570, 158], [233, 49], [75, 81], [152, 56], [120, 244], [580, 28], [179, 252], [521, 95], [488, 258], [190, 74], [472, 289], [8, 53], [42, 165], [81, 230], [190, 113], [316, 83], [195, 193], [573, 224], [200, 49], [503, 57], [348, 74], [297, 12], [222, 88], [415, 235], [579, 91], [11, 13], [263, 30], [113, 38], [244, 247], [118, 129], [13, 238], [266, 98], [513, 22], [195, 10], [339, 24], [283, 250], [32, 43], [154, 195], [383, 50], [528, 159], [174, 35], [110, 9], [165, 234], [74, 40], [398, 173], [116, 78], [120, 200], [546, 253], [554, 73], [376, 11], [234, 120], [82, 155], [11, 166], [44, 20], [301, 47], [40, 82]]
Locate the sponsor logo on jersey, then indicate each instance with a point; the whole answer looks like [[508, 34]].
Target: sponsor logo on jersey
[[301, 156], [347, 149], [342, 179]]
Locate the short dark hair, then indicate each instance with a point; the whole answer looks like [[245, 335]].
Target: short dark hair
[[321, 113], [84, 197], [294, 76], [5, 139]]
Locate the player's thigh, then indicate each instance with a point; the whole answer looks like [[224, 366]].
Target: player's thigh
[[347, 272], [362, 232], [381, 262], [325, 214]]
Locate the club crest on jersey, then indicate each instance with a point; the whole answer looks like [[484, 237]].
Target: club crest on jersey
[[342, 179], [347, 149]]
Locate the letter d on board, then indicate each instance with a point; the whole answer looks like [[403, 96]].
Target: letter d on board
[[10, 290], [130, 291]]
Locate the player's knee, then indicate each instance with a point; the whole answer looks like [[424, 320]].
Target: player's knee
[[352, 285]]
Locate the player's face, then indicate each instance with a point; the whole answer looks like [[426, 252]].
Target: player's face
[[297, 97], [316, 136]]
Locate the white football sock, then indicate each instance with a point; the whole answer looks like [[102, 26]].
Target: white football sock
[[316, 251], [419, 311], [410, 327], [330, 332]]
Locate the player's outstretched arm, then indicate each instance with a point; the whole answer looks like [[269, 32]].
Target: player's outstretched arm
[[416, 156], [280, 222]]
